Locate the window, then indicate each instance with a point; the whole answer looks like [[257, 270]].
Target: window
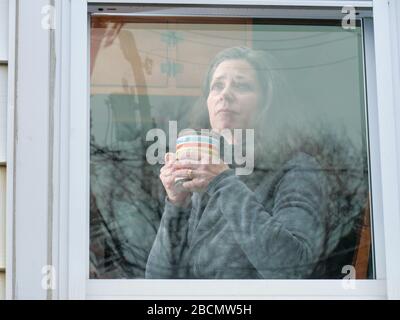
[[147, 74], [84, 126]]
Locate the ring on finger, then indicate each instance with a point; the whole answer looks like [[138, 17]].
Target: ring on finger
[[190, 174]]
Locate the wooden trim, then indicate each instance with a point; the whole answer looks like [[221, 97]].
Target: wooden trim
[[362, 255]]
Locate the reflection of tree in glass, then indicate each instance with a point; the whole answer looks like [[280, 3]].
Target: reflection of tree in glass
[[346, 168], [127, 198], [124, 211], [124, 189]]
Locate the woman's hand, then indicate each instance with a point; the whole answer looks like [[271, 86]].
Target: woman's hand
[[167, 176], [201, 172]]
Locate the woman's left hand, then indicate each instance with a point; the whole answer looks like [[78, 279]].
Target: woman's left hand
[[200, 172]]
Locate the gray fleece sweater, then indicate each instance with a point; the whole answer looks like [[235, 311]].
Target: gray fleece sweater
[[273, 231]]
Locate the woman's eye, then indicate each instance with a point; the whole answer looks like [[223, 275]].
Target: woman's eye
[[217, 86], [243, 86]]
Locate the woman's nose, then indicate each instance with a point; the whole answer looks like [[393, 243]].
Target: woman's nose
[[227, 93]]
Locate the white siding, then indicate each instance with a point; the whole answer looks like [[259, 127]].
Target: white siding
[[32, 148], [3, 130]]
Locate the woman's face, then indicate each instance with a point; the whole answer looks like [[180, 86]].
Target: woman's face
[[234, 97]]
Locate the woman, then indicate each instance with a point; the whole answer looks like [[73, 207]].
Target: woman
[[235, 229]]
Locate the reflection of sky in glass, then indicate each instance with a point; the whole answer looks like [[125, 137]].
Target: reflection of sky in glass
[[323, 68], [321, 65]]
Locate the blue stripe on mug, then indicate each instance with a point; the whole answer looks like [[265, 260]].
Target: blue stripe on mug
[[197, 138]]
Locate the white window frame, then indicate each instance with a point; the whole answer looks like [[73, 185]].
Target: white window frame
[[71, 225]]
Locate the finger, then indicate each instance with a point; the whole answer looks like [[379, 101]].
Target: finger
[[186, 164], [176, 173], [167, 172], [194, 184], [168, 181], [167, 166], [172, 174], [169, 157], [184, 173]]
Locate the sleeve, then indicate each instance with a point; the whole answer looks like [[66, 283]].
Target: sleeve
[[165, 258], [287, 241]]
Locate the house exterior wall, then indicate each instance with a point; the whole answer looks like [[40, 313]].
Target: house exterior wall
[[35, 222], [3, 128]]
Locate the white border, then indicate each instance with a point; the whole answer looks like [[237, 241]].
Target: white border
[[61, 148], [388, 147], [230, 9], [378, 238], [77, 274], [78, 228], [306, 3], [235, 289]]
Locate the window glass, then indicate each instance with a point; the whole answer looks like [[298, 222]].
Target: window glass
[[272, 180]]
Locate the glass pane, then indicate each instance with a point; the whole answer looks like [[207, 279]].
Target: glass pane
[[272, 182]]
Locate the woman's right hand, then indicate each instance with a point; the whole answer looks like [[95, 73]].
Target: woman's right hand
[[177, 197]]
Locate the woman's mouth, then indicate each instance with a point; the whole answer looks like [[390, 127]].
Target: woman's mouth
[[227, 111]]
